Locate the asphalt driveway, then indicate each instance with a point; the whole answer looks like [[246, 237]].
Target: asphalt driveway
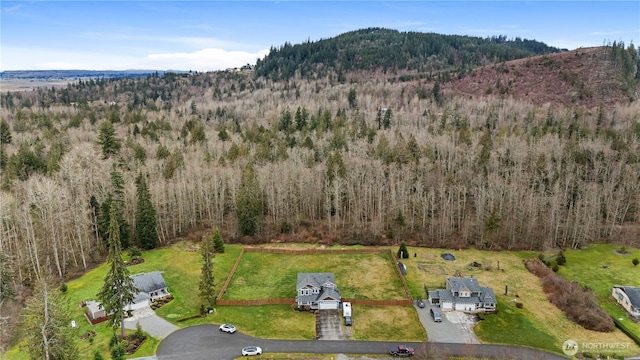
[[153, 324], [456, 327], [329, 325]]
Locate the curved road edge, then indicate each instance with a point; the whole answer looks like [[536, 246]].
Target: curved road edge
[[205, 342]]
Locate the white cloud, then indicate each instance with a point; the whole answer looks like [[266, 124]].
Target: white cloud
[[208, 59], [202, 60]]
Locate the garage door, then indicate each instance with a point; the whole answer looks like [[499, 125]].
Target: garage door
[[327, 305]]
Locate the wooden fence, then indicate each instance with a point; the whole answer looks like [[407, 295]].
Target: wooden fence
[[226, 282], [256, 302], [314, 251]]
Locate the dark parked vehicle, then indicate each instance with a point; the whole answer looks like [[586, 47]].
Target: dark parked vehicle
[[401, 350], [420, 304], [347, 320], [436, 314]]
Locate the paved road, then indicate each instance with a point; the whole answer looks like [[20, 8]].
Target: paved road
[[206, 342]]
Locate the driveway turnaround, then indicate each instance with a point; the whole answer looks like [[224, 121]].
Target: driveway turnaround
[[456, 327], [207, 342], [153, 324]]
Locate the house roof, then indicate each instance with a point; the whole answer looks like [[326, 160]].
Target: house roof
[[487, 295], [456, 284], [633, 293], [329, 294], [445, 295], [149, 282], [314, 280], [94, 306]]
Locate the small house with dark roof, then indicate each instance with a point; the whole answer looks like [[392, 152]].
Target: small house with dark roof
[[317, 291], [151, 286], [464, 294], [629, 298]]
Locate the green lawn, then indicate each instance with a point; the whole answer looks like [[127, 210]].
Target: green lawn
[[600, 267], [268, 275], [515, 326]]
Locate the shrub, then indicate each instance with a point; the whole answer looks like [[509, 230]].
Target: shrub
[[555, 268], [63, 287], [285, 227], [561, 259], [134, 252], [403, 253], [635, 262], [519, 305], [578, 303]]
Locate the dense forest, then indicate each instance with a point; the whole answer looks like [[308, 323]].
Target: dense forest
[[378, 49], [368, 160]]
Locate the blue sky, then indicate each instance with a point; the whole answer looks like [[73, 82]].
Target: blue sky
[[212, 35]]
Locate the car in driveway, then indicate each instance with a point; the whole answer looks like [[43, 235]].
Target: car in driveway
[[251, 350], [436, 314], [228, 328], [402, 350], [420, 303]]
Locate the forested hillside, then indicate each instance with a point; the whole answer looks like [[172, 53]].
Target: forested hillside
[[378, 49], [371, 160]]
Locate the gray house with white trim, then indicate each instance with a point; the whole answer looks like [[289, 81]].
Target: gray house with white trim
[[629, 298], [317, 291], [151, 286], [464, 294]]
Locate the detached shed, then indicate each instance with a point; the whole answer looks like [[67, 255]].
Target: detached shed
[[95, 312]]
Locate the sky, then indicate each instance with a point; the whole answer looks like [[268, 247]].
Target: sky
[[209, 35]]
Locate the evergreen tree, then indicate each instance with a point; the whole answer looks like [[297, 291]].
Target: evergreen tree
[[207, 286], [118, 290], [436, 92], [218, 243], [301, 118], [561, 259], [403, 253], [7, 290], [353, 98], [107, 139], [198, 135], [386, 122], [97, 355], [5, 132], [46, 325], [249, 203], [379, 119], [117, 197], [146, 223]]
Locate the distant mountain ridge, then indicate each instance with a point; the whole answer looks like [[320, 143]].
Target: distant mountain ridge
[[383, 49], [63, 74]]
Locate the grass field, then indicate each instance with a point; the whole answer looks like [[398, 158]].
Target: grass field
[[538, 324], [600, 267], [255, 277]]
